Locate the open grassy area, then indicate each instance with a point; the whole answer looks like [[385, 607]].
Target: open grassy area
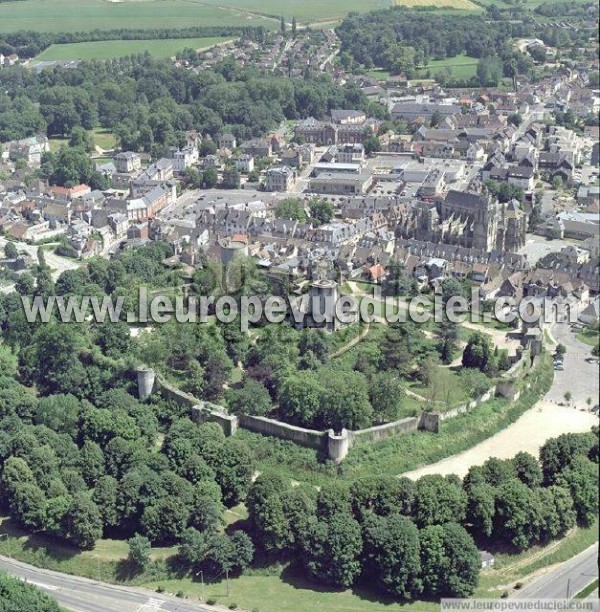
[[87, 15], [460, 67], [102, 138], [105, 562], [109, 49], [289, 590]]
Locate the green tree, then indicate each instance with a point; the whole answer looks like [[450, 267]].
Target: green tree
[[83, 523], [251, 398], [140, 550], [387, 395], [527, 469], [10, 250], [291, 208], [392, 555], [332, 550], [581, 478], [164, 521], [210, 178], [438, 500], [371, 144], [81, 138], [450, 561], [517, 520], [345, 402], [18, 595], [231, 178], [321, 211], [481, 508], [25, 285], [266, 512]]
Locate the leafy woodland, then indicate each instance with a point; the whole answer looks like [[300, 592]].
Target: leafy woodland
[[81, 458], [149, 104]]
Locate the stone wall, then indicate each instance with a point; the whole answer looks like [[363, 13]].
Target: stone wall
[[379, 432], [336, 447], [270, 427], [173, 393], [205, 412]]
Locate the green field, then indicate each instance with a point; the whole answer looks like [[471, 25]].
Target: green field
[[102, 138], [86, 15], [109, 49], [460, 67], [460, 5], [305, 11]]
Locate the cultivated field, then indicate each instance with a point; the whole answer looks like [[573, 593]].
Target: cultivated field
[[109, 49], [305, 11], [86, 15], [463, 5]]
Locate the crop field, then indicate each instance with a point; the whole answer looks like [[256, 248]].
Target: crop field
[[462, 5], [305, 11], [86, 15], [109, 49], [461, 66]]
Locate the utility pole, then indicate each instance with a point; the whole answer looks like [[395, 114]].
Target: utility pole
[[202, 584], [227, 578]]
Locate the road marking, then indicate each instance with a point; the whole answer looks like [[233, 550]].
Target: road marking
[[151, 604]]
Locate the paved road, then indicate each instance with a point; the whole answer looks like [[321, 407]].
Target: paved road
[[83, 595], [566, 580]]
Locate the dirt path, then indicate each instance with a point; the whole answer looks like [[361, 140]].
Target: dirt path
[[545, 420]]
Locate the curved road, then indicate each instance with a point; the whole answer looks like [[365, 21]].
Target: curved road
[[83, 595], [566, 580]]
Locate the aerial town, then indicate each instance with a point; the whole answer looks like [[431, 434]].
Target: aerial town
[[153, 462]]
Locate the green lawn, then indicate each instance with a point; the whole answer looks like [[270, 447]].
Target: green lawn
[[87, 15], [109, 49], [589, 336], [103, 138], [379, 73], [461, 67]]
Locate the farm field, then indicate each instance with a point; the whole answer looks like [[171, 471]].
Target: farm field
[[306, 11], [461, 66], [87, 15], [109, 49], [462, 5]]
